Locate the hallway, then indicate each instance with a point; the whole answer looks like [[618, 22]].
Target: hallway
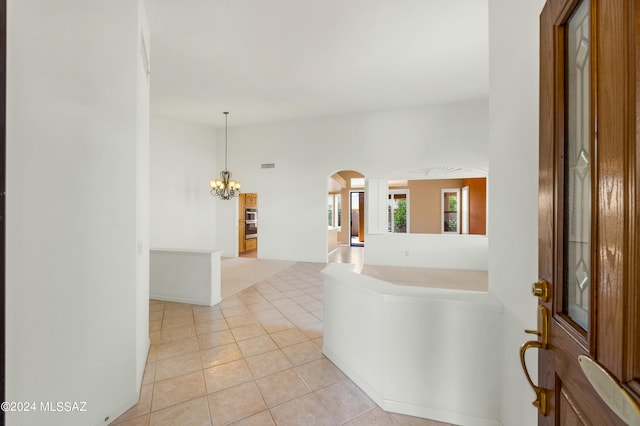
[[254, 359]]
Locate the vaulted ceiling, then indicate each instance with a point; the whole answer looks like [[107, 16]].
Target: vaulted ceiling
[[275, 60]]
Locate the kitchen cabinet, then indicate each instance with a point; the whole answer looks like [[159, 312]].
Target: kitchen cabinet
[[251, 201], [246, 202], [251, 244]]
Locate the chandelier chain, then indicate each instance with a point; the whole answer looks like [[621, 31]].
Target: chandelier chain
[[226, 150]]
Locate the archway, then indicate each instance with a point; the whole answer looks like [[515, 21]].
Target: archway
[[345, 212]]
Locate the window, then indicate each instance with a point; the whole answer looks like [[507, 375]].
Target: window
[[398, 206], [334, 210], [450, 211], [357, 182]]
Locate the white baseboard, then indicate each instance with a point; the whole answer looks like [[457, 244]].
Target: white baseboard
[[404, 407], [204, 302]]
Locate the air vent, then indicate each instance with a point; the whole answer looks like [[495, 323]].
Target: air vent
[[268, 165]]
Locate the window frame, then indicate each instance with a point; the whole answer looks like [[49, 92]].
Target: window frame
[[406, 193], [442, 210], [334, 200]]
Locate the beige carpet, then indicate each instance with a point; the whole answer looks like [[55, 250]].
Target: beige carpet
[[239, 273], [455, 279]]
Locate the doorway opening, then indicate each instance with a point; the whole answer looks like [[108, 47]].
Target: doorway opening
[[345, 210], [356, 219], [248, 225]]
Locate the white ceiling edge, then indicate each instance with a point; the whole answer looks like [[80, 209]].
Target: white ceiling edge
[[439, 172]]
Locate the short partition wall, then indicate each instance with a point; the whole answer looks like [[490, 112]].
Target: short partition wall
[[443, 251], [185, 276], [432, 353]]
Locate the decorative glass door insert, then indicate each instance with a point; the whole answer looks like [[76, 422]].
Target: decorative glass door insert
[[577, 169]]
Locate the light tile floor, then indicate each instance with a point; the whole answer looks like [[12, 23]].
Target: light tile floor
[[348, 254], [253, 359]]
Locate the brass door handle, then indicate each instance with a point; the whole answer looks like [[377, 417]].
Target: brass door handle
[[541, 343], [541, 395]]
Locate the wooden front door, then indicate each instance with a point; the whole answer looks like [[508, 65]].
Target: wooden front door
[[589, 214]]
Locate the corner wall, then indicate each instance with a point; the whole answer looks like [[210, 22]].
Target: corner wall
[[75, 238], [513, 195]]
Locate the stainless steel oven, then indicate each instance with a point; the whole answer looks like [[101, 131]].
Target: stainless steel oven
[[250, 224], [250, 214]]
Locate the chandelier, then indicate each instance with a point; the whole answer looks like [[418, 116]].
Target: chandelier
[[225, 188]]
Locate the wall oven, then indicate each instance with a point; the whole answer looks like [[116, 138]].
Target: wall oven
[[250, 214], [250, 224]]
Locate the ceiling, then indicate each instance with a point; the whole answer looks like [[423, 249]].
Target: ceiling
[[277, 60]]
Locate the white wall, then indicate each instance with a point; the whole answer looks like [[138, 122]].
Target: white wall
[[292, 196], [196, 271], [227, 220], [513, 146], [142, 198], [183, 161], [74, 148], [428, 251], [426, 352]]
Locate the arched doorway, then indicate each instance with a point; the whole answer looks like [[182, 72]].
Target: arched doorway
[[345, 216]]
